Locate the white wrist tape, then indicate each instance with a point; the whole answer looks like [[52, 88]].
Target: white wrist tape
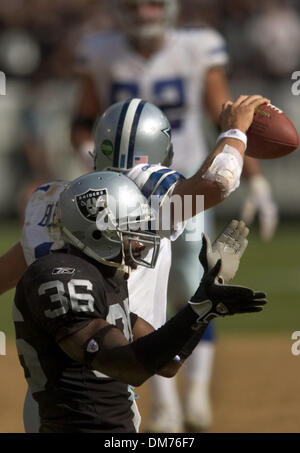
[[226, 170], [234, 133]]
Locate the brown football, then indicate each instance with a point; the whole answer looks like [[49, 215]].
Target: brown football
[[271, 134]]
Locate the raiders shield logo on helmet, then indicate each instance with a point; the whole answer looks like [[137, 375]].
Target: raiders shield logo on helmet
[[91, 203]]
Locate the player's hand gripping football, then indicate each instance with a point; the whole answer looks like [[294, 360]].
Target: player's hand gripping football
[[212, 298], [229, 246], [239, 114]]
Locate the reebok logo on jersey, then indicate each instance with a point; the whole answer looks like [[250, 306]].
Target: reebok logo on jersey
[[92, 346], [63, 270]]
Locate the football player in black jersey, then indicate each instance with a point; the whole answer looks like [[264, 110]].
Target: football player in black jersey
[[81, 349]]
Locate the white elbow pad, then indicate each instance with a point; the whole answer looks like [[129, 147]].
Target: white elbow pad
[[226, 170]]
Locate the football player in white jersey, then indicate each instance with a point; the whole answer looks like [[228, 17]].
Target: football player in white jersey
[[182, 72], [124, 133]]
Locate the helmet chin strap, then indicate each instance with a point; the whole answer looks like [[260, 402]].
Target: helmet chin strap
[[123, 271], [122, 268]]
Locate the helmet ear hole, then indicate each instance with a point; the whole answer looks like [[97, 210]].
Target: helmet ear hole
[[97, 235]]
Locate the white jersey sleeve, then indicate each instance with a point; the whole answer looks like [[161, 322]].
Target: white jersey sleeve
[[154, 179], [209, 48], [157, 181], [40, 232]]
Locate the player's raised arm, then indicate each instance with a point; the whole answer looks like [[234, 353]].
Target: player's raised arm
[[12, 267], [259, 198], [220, 173]]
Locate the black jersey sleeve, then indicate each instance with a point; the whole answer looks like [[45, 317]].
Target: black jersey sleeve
[[63, 293]]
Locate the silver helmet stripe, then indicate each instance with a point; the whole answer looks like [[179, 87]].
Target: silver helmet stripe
[[129, 125], [132, 140]]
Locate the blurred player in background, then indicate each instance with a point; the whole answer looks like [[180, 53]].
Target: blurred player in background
[[183, 73]]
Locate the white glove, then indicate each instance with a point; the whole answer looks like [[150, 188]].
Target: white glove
[[259, 200], [229, 246]]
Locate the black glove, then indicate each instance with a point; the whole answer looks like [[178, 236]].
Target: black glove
[[213, 299], [229, 246]]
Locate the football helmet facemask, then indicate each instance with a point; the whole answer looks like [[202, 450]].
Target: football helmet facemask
[[148, 29], [130, 133], [102, 213]]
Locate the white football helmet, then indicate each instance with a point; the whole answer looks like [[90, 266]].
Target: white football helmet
[[101, 211], [130, 133], [136, 28]]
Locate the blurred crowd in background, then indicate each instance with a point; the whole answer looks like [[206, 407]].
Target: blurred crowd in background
[[38, 40]]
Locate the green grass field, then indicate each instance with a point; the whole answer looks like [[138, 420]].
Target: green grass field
[[273, 267], [9, 235]]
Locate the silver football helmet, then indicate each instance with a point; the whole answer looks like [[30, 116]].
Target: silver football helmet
[[135, 28], [132, 132], [100, 212]]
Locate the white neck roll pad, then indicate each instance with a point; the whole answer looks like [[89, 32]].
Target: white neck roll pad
[[226, 170]]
